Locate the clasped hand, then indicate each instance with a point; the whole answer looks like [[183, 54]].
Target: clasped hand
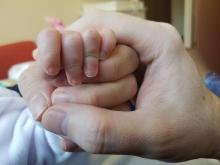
[[176, 117]]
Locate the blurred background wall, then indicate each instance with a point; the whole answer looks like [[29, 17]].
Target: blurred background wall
[[22, 19]]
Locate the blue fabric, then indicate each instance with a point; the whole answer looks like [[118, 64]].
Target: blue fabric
[[212, 81]]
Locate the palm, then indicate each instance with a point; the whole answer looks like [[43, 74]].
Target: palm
[[172, 99], [173, 103]]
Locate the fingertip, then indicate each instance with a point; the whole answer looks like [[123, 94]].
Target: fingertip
[[35, 54], [74, 75], [51, 69], [68, 146], [108, 43], [92, 44], [49, 49], [123, 61], [73, 56], [74, 80], [91, 67]]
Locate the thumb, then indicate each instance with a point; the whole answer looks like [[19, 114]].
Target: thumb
[[117, 22], [97, 130], [148, 38]]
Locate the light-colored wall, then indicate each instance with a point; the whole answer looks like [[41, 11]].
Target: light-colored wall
[[177, 16], [22, 19], [182, 19]]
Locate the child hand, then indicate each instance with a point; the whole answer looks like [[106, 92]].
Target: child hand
[[75, 53], [37, 90]]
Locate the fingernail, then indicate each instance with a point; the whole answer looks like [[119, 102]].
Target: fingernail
[[38, 105], [51, 71], [74, 75], [67, 145], [91, 66], [74, 82], [53, 120]]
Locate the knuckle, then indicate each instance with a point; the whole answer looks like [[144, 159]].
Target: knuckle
[[91, 34], [47, 32], [75, 63], [171, 32], [170, 29], [72, 42], [72, 38], [92, 41], [50, 55]]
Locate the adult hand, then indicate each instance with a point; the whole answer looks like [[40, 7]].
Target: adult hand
[[176, 117]]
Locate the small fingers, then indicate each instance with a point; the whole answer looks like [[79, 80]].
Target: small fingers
[[68, 145], [72, 54], [49, 48], [108, 43], [35, 54], [122, 61], [92, 43]]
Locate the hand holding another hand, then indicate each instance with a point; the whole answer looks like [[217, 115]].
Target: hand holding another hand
[[174, 110]]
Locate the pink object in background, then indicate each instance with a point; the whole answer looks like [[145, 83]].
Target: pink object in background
[[55, 22]]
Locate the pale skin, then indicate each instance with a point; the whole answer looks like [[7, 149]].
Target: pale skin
[[77, 53], [115, 64], [64, 57], [174, 109]]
